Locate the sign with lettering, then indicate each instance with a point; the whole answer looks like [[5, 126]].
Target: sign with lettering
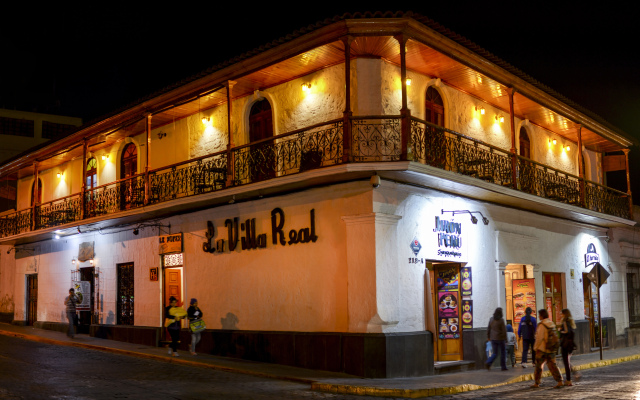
[[170, 243], [524, 295], [444, 241], [153, 274], [591, 257], [244, 234], [449, 327], [467, 314]]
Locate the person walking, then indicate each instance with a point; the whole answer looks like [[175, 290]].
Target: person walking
[[545, 355], [173, 314], [527, 332], [567, 328], [70, 303], [194, 313], [512, 345], [497, 334]]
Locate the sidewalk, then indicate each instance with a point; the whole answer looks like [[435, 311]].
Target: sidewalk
[[322, 380]]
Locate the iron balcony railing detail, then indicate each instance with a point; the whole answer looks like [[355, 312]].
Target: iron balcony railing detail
[[370, 139]]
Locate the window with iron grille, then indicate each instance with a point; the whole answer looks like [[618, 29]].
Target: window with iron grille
[[16, 127], [633, 293], [52, 130]]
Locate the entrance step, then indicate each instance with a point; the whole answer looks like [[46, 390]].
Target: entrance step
[[448, 367]]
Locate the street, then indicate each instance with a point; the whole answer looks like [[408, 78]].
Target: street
[[34, 370]]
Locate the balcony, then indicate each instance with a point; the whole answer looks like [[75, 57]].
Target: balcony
[[368, 139]]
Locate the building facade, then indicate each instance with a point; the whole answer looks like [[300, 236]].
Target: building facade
[[359, 197]]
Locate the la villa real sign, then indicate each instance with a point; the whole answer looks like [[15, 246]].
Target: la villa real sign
[[244, 235]]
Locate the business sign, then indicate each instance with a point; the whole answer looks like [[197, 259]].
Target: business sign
[[598, 275], [444, 240], [83, 292], [170, 243], [449, 327], [591, 257]]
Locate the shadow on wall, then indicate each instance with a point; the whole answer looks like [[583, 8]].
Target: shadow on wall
[[229, 322]]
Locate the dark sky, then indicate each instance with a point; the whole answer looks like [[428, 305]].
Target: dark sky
[[88, 62]]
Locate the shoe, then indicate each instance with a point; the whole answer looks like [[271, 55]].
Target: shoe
[[577, 377], [523, 366], [488, 366], [176, 355], [193, 353], [568, 383], [504, 369], [559, 385], [534, 386]]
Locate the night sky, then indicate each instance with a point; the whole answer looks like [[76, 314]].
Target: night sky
[[88, 63]]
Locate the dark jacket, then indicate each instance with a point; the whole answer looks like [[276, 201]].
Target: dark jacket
[[497, 330], [527, 327], [191, 313]]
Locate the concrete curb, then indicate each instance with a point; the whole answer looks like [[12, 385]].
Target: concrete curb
[[167, 359]]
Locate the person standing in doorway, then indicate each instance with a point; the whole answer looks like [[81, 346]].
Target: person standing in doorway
[[527, 331], [544, 355], [567, 345], [194, 313], [173, 314], [497, 334], [70, 302]]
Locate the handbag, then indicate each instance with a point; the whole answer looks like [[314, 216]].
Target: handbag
[[197, 325]]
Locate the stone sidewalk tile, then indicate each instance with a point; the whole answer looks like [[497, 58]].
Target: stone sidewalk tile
[[328, 381]]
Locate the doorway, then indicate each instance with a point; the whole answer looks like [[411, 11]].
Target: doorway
[[84, 316], [32, 299], [173, 285], [125, 294], [590, 291], [446, 298], [554, 299]]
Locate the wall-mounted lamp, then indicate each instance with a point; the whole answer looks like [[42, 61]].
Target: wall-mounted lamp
[[205, 120], [105, 157], [163, 134], [499, 118], [91, 261], [56, 236], [474, 220], [408, 81], [136, 231], [481, 110], [73, 261], [306, 87], [567, 148], [59, 174], [553, 141]]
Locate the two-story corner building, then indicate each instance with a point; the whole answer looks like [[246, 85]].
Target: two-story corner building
[[359, 196]]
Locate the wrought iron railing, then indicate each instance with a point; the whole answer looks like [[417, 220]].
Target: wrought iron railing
[[201, 175], [301, 150], [373, 139], [58, 212]]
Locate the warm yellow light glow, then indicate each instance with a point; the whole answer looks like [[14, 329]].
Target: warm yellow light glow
[[554, 141], [481, 110], [91, 261], [500, 118], [408, 81], [568, 148], [105, 157], [306, 87], [205, 120], [479, 79], [59, 175]]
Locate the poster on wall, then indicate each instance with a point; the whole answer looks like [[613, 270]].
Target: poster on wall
[[549, 306], [466, 281], [83, 289], [448, 279], [449, 324], [524, 295], [467, 314]]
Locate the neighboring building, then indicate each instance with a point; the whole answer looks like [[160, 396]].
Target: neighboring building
[[20, 131], [325, 213]]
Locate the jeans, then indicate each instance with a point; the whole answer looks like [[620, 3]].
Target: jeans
[[526, 343], [195, 339], [566, 360], [498, 344], [71, 318], [511, 354], [175, 337]]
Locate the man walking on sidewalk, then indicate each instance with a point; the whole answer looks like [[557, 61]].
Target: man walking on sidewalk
[[544, 353], [71, 301]]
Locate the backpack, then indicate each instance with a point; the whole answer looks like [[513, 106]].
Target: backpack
[[553, 342]]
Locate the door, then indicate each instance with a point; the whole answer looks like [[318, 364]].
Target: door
[[591, 309], [173, 285], [554, 300], [32, 298], [130, 193], [125, 294], [84, 316], [446, 301]]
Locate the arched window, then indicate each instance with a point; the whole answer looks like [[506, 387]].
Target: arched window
[[130, 192], [91, 174], [262, 160], [36, 195], [525, 143], [434, 106], [260, 121]]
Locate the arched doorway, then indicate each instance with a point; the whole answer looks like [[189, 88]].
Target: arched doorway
[[129, 190], [262, 160], [435, 142]]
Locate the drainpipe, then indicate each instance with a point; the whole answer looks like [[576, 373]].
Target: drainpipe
[[626, 156], [35, 195], [146, 168], [85, 146], [581, 169]]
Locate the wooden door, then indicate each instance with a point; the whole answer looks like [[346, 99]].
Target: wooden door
[[591, 308], [32, 296], [445, 282], [84, 316], [125, 294], [553, 295], [173, 285]]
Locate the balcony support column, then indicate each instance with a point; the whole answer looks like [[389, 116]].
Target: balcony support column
[[346, 124], [146, 167], [83, 186], [34, 194], [230, 144], [514, 155], [626, 156], [582, 186], [405, 113]]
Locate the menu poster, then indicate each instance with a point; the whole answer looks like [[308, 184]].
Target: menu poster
[[448, 279], [449, 323], [467, 314], [466, 281], [524, 295]]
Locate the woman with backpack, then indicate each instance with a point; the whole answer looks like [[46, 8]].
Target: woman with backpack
[[567, 345], [546, 346]]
